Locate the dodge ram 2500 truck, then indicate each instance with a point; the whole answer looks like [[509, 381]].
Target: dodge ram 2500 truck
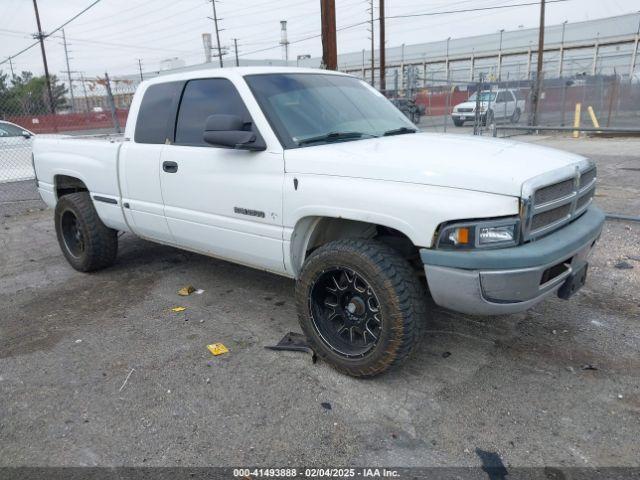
[[315, 175]]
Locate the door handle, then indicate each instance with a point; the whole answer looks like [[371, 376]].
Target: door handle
[[170, 167]]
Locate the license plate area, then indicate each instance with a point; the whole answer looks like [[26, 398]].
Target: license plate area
[[574, 282]]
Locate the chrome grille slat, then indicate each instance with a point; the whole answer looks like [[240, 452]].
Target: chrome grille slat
[[551, 204], [553, 192], [587, 177]]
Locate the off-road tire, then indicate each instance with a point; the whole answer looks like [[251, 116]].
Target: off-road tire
[[100, 243], [401, 296]]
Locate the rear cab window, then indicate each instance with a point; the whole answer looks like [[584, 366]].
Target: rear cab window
[[157, 113]]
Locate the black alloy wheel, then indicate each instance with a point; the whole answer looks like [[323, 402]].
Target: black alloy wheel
[[71, 234], [345, 312]]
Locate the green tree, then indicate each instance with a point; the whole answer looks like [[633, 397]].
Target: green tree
[[27, 94]]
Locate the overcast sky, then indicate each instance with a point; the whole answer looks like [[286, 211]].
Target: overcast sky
[[114, 34]]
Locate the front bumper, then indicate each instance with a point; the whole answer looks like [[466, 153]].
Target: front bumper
[[510, 280], [467, 115]]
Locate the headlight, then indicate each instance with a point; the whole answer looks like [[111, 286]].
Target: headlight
[[481, 234]]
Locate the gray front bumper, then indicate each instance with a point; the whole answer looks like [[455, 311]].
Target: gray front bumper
[[509, 280]]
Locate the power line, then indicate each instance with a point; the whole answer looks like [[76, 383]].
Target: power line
[[52, 32], [477, 9]]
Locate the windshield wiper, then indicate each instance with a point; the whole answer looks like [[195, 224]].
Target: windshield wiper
[[399, 131], [333, 136]]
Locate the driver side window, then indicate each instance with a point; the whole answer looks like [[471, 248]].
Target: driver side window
[[204, 97]]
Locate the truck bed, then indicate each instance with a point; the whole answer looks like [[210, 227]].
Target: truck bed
[[92, 159]]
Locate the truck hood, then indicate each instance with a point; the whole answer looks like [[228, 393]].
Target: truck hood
[[466, 162]]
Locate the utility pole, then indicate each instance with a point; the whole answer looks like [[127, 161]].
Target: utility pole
[[329, 46], [84, 90], [41, 38], [140, 69], [373, 60], [561, 61], [383, 74], [215, 23], [112, 104], [66, 56], [235, 46], [500, 58], [538, 84], [13, 75]]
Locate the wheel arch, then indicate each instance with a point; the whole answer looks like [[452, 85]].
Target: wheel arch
[[312, 232], [66, 184]]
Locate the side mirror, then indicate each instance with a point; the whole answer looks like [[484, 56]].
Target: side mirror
[[26, 135], [228, 131]]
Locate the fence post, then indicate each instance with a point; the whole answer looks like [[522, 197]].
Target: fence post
[[476, 119], [112, 104]]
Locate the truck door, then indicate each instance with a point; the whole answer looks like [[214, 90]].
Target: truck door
[[221, 201], [139, 167]]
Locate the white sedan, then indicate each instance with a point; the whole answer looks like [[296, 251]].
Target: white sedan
[[15, 152]]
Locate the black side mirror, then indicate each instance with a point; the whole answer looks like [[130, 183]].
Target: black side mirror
[[228, 131], [26, 135]]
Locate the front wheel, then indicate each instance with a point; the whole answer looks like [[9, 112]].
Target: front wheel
[[458, 123], [86, 242], [360, 305]]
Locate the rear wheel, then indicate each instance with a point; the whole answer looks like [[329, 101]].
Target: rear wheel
[[86, 242], [360, 305]]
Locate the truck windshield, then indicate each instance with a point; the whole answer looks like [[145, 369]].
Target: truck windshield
[[484, 97], [308, 109]]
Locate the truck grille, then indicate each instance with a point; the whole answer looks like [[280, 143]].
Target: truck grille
[[550, 206], [465, 110]]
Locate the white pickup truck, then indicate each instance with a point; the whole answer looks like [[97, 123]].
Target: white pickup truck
[[315, 175], [502, 105]]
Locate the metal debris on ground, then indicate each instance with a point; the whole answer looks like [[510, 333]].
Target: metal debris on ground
[[217, 349], [326, 405], [178, 309], [199, 291], [588, 366], [294, 342], [186, 291], [623, 265], [126, 380]]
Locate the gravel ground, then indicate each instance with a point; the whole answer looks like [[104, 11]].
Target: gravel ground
[[97, 370]]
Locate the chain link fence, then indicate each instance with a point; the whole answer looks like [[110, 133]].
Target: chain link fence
[[92, 106], [435, 103], [506, 108]]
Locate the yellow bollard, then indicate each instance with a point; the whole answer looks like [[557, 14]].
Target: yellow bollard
[[592, 114], [576, 120]]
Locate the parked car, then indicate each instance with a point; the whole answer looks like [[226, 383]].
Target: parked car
[[409, 107], [316, 176], [15, 152], [504, 105]]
